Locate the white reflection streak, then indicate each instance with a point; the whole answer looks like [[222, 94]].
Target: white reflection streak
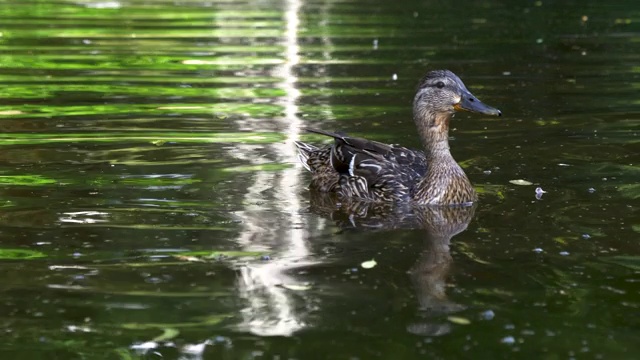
[[270, 311]]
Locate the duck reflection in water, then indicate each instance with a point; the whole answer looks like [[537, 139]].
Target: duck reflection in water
[[429, 273]]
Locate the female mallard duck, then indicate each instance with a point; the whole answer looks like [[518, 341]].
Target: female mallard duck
[[373, 171]]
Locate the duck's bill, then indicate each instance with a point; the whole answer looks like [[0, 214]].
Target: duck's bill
[[468, 102]]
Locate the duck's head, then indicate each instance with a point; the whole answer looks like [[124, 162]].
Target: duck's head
[[441, 93]]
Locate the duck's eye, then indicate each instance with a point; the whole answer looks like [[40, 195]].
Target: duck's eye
[[439, 84]]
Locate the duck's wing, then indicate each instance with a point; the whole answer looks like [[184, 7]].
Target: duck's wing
[[349, 152], [374, 170], [347, 148]]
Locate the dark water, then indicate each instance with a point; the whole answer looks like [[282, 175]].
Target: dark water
[[151, 204]]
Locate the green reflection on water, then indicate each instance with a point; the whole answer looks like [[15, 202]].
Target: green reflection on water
[[25, 180], [26, 92], [20, 254], [248, 138], [147, 109]]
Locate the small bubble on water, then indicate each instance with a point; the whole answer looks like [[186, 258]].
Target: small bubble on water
[[487, 172], [375, 44], [586, 236], [591, 190], [220, 339], [487, 315], [508, 340], [564, 253], [537, 250], [394, 77]]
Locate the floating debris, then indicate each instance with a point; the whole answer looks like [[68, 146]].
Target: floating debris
[[296, 287], [459, 320], [539, 193], [521, 182], [369, 264], [394, 77]]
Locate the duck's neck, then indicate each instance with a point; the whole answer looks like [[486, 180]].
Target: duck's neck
[[445, 183], [435, 137]]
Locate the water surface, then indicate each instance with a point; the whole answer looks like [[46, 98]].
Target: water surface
[[152, 205]]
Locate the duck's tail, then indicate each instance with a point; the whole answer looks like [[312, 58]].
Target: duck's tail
[[304, 151]]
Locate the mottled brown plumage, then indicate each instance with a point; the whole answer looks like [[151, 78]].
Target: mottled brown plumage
[[373, 171]]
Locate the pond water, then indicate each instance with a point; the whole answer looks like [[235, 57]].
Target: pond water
[[152, 206]]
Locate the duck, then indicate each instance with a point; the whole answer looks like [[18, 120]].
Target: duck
[[358, 169]]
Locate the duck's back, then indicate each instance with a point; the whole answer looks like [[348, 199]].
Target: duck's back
[[364, 169]]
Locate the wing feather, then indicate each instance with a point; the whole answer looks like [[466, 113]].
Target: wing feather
[[371, 170]]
